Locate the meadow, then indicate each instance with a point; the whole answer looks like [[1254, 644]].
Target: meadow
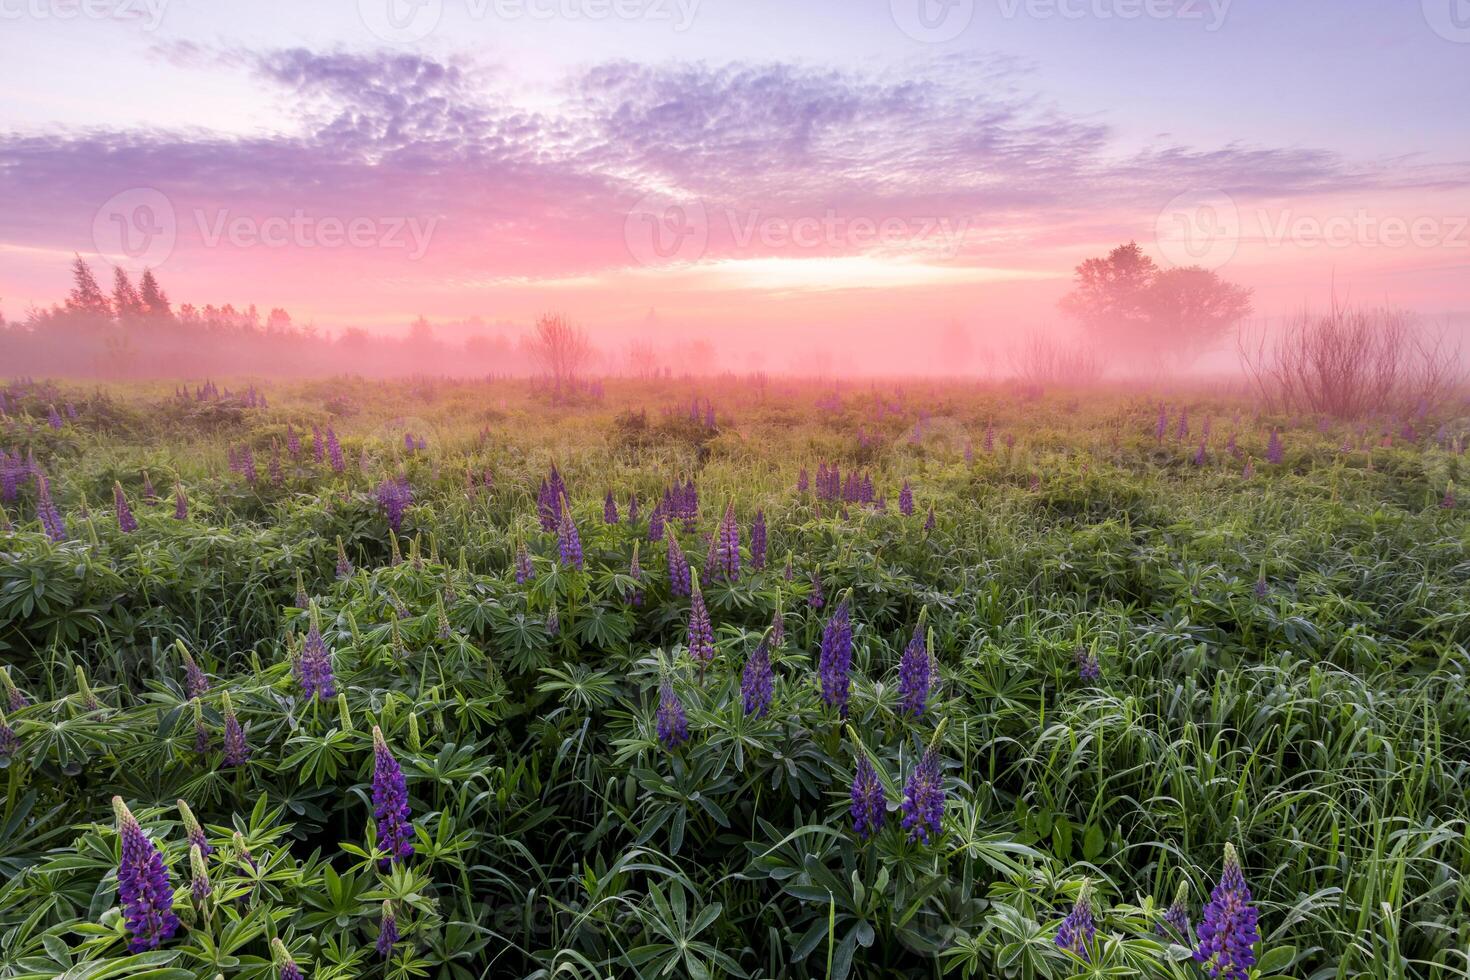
[[727, 677]]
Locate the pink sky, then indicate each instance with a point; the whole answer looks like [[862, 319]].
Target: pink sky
[[790, 174]]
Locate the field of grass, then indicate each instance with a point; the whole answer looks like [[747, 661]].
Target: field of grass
[[1105, 644]]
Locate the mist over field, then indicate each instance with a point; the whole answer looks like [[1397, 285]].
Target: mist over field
[[734, 489]]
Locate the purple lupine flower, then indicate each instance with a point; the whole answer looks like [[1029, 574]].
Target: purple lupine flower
[[816, 600], [726, 546], [679, 574], [1089, 667], [344, 564], [196, 682], [757, 682], [1181, 431], [635, 572], [125, 520], [923, 797], [199, 888], [869, 803], [1249, 469], [318, 450], [1447, 502], [284, 963], [247, 465], [1227, 927], [149, 494], [632, 508], [1162, 425], [390, 805], [201, 731], [758, 541], [546, 508], [700, 635], [1261, 589], [969, 452], [989, 436], [1199, 454], [181, 503], [316, 675], [906, 500], [387, 931], [1231, 446], [835, 661], [553, 621], [1275, 452], [656, 523], [778, 629], [15, 698], [609, 509], [568, 540], [803, 481], [1176, 918], [525, 571], [408, 443], [915, 674], [395, 496], [1078, 929], [53, 417], [334, 452], [673, 726], [293, 441], [143, 885], [237, 750], [9, 741], [929, 521]]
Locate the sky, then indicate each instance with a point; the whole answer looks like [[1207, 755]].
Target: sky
[[787, 171]]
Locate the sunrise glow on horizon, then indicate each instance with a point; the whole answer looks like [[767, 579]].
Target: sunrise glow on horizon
[[732, 168]]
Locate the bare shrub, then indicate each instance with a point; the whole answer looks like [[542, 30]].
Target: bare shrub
[[1043, 361], [560, 349], [1351, 362]]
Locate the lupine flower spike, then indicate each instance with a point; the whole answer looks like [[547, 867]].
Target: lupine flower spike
[[193, 830], [237, 750], [9, 741], [869, 802], [1176, 918], [125, 520], [835, 660], [387, 931], [15, 698], [1078, 929], [923, 794], [679, 574], [1228, 929], [569, 542], [915, 673], [673, 726], [756, 681], [701, 637], [199, 888], [390, 804], [284, 963], [143, 885]]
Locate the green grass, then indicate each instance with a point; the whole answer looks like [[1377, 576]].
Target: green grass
[[1321, 728]]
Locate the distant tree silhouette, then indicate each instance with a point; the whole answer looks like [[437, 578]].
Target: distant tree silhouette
[[1135, 310], [560, 349], [126, 305], [153, 298], [86, 296]]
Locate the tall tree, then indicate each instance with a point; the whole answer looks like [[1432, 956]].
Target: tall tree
[[126, 305], [1136, 311], [86, 296], [153, 298]]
